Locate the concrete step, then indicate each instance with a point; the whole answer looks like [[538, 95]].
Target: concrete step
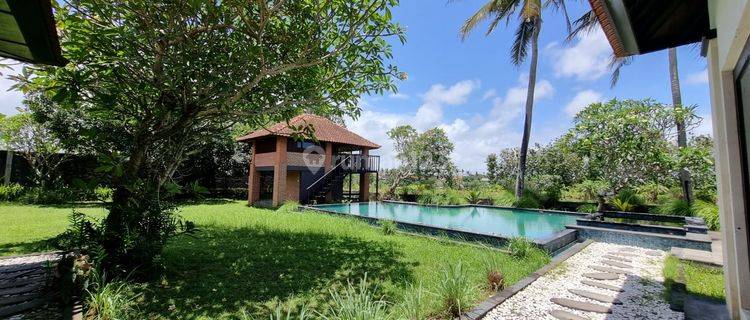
[[595, 296], [580, 305]]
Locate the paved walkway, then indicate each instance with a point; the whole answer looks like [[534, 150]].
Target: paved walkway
[[603, 281], [24, 285]]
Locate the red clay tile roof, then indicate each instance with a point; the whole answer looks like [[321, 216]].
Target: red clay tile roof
[[325, 130]]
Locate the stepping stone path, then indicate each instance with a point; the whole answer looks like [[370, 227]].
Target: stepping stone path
[[591, 286], [602, 285], [610, 270], [580, 305], [616, 264], [624, 254], [595, 296], [616, 258], [564, 315], [601, 275]]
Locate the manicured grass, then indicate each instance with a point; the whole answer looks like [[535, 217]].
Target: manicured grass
[[700, 280], [252, 260], [23, 228]]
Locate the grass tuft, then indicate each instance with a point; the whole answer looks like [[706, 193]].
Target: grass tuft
[[455, 290]]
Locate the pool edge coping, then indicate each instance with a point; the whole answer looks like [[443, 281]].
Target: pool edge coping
[[483, 308]]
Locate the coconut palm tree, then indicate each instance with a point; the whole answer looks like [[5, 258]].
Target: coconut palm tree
[[587, 23], [527, 37]]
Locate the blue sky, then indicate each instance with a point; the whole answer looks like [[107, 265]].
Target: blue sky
[[472, 90], [476, 94]]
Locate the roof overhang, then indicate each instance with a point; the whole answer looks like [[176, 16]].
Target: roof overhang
[[642, 26], [28, 32]]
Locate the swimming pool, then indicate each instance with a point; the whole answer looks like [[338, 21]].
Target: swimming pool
[[535, 225]]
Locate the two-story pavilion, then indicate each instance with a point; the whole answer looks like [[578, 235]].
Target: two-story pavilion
[[284, 168]]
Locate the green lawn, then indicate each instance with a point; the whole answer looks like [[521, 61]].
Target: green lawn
[[700, 280], [253, 259]]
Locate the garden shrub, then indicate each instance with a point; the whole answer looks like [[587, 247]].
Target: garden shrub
[[652, 191], [356, 302], [521, 247], [586, 190], [528, 200], [677, 207], [547, 189], [587, 208], [388, 226], [38, 195], [630, 196], [474, 197], [455, 290], [11, 192], [709, 212]]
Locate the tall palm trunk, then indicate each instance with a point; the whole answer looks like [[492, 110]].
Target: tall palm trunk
[[674, 79], [529, 109]]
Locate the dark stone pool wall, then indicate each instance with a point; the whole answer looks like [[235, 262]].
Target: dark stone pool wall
[[552, 243]]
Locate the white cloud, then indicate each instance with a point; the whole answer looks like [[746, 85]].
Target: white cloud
[[582, 100], [489, 94], [430, 112], [587, 59], [473, 138], [9, 100], [399, 95], [700, 77]]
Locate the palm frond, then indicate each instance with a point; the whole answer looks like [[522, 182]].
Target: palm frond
[[522, 41], [615, 64], [560, 6], [496, 10], [585, 24]]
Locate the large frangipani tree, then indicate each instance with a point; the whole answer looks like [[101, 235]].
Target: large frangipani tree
[[148, 81], [588, 23], [526, 38]]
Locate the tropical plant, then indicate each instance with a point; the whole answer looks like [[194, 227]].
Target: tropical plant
[[521, 247], [529, 200], [11, 192], [454, 289], [587, 190], [622, 205], [474, 197], [527, 35], [415, 303], [356, 302], [677, 207], [153, 80], [105, 300], [493, 272], [492, 169], [709, 212]]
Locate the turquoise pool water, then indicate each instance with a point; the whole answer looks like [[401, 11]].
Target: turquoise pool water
[[485, 220]]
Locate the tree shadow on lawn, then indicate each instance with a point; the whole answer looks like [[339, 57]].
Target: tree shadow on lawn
[[223, 270], [19, 248]]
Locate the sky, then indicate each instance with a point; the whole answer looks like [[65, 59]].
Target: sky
[[472, 90]]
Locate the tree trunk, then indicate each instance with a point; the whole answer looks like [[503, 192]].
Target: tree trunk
[[674, 79], [529, 109]]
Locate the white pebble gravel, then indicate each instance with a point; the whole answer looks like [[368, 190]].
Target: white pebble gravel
[[52, 256], [643, 297]]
